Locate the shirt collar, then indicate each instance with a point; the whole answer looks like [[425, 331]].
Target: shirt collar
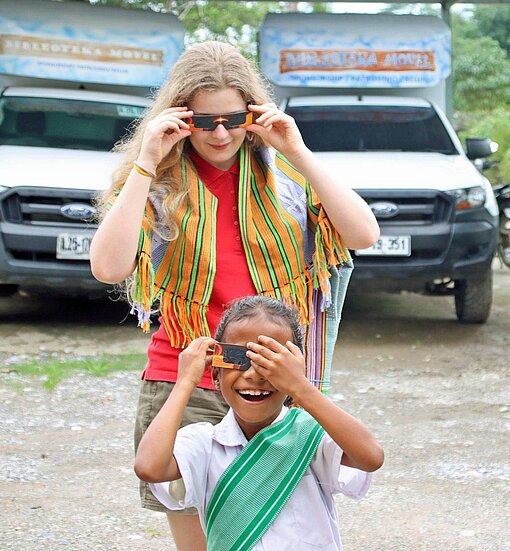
[[208, 173], [228, 433]]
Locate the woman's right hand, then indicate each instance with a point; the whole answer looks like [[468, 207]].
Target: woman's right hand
[[161, 134]]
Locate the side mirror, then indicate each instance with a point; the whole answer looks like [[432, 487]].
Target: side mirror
[[480, 148], [484, 164]]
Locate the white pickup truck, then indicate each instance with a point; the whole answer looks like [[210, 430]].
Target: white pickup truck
[[54, 157], [73, 78], [363, 91]]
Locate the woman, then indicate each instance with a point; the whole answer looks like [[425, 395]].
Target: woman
[[218, 198]]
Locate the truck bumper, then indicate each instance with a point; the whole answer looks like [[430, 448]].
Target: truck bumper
[[54, 278], [36, 273], [439, 252]]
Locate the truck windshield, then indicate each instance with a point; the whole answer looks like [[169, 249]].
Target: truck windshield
[[64, 123], [372, 128]]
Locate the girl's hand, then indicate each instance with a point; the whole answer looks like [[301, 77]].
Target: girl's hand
[[162, 133], [277, 129], [283, 366], [194, 359]]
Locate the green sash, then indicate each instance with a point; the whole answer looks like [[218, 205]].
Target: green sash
[[258, 483]]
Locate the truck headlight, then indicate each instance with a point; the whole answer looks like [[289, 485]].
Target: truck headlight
[[468, 198]]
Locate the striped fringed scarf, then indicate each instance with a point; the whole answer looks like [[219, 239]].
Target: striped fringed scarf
[[182, 277]]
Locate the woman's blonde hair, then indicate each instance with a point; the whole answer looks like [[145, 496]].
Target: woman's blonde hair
[[208, 66]]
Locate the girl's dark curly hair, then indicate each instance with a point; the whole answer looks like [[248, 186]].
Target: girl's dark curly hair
[[274, 310]]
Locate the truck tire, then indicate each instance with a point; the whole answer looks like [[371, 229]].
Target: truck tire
[[473, 299], [504, 249]]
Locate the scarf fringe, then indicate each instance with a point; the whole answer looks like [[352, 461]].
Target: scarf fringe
[[143, 291], [184, 319], [327, 253]]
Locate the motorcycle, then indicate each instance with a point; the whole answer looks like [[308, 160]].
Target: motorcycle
[[502, 193]]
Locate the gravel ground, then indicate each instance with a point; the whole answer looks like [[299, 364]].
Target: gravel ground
[[436, 394]]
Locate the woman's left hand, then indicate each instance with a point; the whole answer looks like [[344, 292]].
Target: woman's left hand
[[349, 213], [277, 129]]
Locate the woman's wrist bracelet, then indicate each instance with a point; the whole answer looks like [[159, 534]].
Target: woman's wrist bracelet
[[140, 169]]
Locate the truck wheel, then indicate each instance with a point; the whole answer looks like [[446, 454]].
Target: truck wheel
[[504, 250], [473, 299]]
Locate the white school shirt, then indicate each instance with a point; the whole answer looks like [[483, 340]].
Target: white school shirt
[[308, 521]]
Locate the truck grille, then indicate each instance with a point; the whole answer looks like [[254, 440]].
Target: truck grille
[[32, 219], [421, 207], [425, 215], [42, 207]]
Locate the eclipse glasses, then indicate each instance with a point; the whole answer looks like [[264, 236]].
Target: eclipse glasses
[[208, 123], [230, 356]]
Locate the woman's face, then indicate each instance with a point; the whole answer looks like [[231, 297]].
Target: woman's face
[[220, 146]]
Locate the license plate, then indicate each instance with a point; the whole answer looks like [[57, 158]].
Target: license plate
[[72, 246], [389, 245]]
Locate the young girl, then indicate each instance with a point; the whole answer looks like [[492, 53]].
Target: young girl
[[265, 476], [219, 198]]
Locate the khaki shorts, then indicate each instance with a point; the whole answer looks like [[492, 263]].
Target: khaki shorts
[[204, 405]]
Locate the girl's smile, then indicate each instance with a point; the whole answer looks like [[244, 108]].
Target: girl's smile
[[254, 395]]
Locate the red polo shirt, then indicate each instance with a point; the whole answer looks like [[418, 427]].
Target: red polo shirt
[[232, 279]]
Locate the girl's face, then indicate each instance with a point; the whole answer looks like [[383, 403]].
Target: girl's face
[[256, 403], [220, 146]]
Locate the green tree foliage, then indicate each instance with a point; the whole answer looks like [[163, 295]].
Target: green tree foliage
[[481, 73], [411, 9], [464, 26], [494, 21], [495, 125], [235, 22]]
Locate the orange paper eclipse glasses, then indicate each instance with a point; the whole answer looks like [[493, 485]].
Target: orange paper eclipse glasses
[[230, 356], [208, 123]]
